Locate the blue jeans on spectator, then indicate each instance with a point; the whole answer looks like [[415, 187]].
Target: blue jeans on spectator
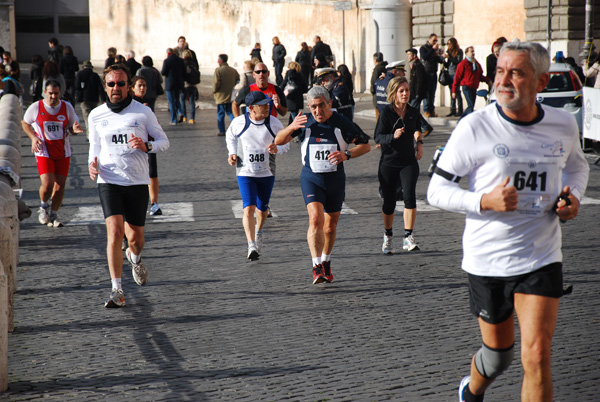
[[278, 71], [175, 106], [454, 102], [188, 95], [222, 109], [470, 96], [428, 105]]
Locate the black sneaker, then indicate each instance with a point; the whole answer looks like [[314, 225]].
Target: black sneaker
[[327, 271]]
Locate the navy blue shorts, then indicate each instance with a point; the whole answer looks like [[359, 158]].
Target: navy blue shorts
[[256, 191], [327, 188]]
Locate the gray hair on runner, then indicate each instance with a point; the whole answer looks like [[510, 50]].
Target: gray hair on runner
[[538, 55], [318, 92]]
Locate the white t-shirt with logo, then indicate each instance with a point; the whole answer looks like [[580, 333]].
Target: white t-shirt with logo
[[540, 158]]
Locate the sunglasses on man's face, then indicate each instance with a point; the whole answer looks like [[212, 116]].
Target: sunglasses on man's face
[[257, 72], [119, 83]]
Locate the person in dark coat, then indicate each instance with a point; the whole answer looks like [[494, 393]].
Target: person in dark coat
[[294, 87], [255, 53], [305, 62], [174, 71], [380, 68], [88, 90], [153, 81], [132, 63], [322, 48], [55, 51], [279, 54], [68, 66], [431, 58], [35, 76], [110, 60]]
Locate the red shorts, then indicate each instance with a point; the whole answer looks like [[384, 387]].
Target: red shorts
[[56, 166]]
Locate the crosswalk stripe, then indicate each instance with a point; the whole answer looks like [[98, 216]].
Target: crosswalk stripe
[[237, 206], [346, 210], [422, 206], [172, 212], [590, 201]]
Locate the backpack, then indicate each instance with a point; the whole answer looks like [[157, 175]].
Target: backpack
[[192, 74]]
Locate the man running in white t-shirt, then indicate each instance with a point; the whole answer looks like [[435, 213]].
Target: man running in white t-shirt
[[525, 171]]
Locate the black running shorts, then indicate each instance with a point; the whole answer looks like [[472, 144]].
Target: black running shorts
[[152, 166], [492, 298], [129, 201]]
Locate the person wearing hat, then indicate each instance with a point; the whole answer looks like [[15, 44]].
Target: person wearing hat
[[394, 69], [251, 149], [88, 90], [340, 95]]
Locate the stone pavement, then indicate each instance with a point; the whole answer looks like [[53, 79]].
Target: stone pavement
[[210, 326]]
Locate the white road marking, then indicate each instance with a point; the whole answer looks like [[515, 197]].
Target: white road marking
[[346, 210], [172, 212], [238, 210], [422, 206], [589, 201]]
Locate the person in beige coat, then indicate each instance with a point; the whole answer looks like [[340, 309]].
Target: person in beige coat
[[223, 83]]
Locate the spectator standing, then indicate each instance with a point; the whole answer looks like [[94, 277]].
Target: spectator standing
[[153, 81], [346, 77], [323, 48], [190, 92], [430, 57], [11, 66], [51, 72], [591, 71], [261, 76], [55, 51], [418, 87], [492, 59], [305, 62], [294, 87], [182, 46], [174, 70], [88, 91], [68, 66], [380, 68], [255, 53], [279, 54], [224, 81], [468, 76], [247, 78], [454, 55], [35, 76], [132, 63], [110, 60]]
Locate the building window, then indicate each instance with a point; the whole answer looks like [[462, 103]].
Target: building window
[[35, 24], [74, 25]]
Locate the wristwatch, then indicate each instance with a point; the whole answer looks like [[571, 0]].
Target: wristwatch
[[348, 154], [148, 146]]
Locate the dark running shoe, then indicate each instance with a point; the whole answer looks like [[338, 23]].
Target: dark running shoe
[[318, 274], [327, 271]]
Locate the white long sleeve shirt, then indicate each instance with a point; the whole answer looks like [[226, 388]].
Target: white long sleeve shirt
[[109, 132], [540, 158]]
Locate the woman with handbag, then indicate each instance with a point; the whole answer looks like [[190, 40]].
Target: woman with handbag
[[294, 87], [453, 56]]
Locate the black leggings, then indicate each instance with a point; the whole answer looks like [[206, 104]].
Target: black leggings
[[388, 178]]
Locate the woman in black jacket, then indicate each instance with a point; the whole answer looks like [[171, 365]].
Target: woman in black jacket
[[35, 75], [279, 54], [398, 127], [303, 58], [294, 87]]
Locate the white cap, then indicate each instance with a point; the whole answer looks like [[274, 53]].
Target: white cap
[[396, 65]]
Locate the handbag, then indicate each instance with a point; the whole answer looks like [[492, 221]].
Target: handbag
[[444, 78]]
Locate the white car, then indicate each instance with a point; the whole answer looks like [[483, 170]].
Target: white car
[[564, 91]]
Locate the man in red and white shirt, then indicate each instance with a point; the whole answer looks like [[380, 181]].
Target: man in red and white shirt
[[468, 76], [47, 123]]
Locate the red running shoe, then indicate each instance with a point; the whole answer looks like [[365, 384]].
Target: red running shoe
[[318, 274], [327, 271]]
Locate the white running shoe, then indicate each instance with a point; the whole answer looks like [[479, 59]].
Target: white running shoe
[[43, 216], [259, 242], [409, 244], [117, 299], [464, 383], [253, 253], [54, 222], [139, 270], [388, 247]]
